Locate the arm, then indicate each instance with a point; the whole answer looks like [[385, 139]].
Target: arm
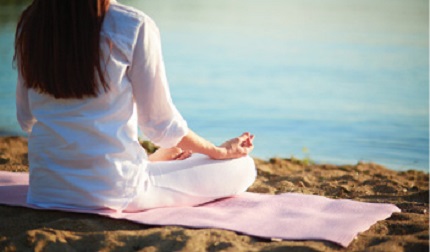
[[23, 112], [233, 148], [158, 117]]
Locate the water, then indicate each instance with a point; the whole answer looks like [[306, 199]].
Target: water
[[336, 80]]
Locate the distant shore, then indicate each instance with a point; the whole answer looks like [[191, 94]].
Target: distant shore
[[25, 229]]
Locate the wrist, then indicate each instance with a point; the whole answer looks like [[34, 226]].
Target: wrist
[[218, 153]]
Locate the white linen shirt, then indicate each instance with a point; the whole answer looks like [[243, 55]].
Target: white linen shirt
[[84, 153]]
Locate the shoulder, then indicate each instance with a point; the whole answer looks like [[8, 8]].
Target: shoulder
[[122, 25], [124, 13]]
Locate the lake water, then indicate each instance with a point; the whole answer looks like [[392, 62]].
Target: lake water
[[338, 81]]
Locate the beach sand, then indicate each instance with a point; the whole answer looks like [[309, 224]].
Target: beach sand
[[24, 229]]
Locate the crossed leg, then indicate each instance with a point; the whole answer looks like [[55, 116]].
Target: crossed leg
[[193, 181]]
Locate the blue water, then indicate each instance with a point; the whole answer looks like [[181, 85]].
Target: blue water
[[340, 81]]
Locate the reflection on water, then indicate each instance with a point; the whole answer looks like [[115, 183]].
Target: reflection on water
[[348, 80]]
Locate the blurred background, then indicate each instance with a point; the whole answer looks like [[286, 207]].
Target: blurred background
[[336, 81]]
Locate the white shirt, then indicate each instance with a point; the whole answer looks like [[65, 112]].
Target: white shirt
[[84, 153]]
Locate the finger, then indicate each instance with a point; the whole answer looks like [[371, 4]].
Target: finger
[[184, 155], [176, 152], [247, 142], [179, 157], [243, 137], [187, 154], [248, 148], [250, 140], [242, 151]]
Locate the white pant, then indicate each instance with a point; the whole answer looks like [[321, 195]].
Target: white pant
[[193, 181]]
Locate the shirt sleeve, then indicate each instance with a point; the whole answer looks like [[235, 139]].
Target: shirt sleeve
[[158, 117], [23, 112]]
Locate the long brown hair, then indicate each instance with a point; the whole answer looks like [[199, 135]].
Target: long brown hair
[[57, 47]]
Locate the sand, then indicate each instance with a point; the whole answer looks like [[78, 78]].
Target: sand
[[24, 229]]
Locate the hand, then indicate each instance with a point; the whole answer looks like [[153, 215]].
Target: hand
[[236, 147], [174, 153]]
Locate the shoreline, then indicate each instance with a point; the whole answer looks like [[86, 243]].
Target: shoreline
[[27, 229], [306, 157]]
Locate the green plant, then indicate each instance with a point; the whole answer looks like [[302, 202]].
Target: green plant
[[148, 146]]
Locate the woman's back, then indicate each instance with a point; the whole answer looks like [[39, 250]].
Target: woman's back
[[91, 142]]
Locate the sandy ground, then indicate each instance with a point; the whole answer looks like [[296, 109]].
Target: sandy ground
[[24, 229]]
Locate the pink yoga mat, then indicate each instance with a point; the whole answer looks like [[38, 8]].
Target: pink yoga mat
[[288, 216]]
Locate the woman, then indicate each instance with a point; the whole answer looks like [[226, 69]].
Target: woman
[[90, 72]]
